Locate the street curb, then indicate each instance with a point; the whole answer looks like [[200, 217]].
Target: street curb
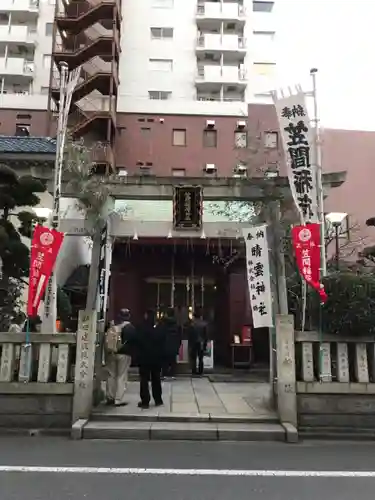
[[291, 432], [77, 429], [6, 431]]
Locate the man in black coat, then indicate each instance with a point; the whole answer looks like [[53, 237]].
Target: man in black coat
[[150, 347], [198, 338], [169, 327]]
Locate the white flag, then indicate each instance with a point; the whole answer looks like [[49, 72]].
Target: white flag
[[258, 275], [298, 139]]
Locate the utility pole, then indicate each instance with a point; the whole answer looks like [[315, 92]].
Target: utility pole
[[68, 81]]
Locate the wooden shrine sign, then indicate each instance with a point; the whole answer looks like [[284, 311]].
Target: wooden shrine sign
[[187, 207]]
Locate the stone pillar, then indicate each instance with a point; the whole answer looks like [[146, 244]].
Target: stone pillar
[[286, 370], [84, 369]]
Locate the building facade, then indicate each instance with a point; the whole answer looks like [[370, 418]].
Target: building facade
[[26, 34]]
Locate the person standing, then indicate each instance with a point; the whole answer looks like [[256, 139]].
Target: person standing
[[150, 347], [170, 331], [119, 342], [198, 338]]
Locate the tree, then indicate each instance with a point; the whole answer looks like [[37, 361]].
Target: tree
[[93, 195], [16, 193]]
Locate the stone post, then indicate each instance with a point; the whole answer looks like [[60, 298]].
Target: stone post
[[286, 370], [84, 369]]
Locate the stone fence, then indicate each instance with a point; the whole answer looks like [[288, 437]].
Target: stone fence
[[335, 381], [47, 383], [36, 380]]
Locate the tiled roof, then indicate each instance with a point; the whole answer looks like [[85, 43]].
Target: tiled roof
[[18, 144]]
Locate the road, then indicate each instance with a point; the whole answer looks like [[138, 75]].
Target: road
[[42, 468]]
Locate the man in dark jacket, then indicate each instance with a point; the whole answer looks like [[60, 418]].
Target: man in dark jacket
[[150, 348], [198, 338], [170, 331], [118, 363]]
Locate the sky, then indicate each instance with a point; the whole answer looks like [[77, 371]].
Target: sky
[[338, 38]]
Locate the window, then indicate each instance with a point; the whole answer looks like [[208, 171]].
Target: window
[[49, 29], [161, 64], [178, 172], [162, 4], [161, 33], [23, 130], [259, 6], [159, 95], [264, 69], [210, 138], [145, 130], [240, 139], [179, 137], [22, 116], [270, 140], [46, 60]]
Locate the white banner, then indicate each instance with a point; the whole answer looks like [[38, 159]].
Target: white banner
[[297, 138], [258, 275]]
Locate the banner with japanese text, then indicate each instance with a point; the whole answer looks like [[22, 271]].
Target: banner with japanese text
[[258, 275], [45, 246], [297, 137], [306, 244]]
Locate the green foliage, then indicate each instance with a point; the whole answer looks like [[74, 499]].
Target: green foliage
[[92, 190], [350, 309], [15, 192]]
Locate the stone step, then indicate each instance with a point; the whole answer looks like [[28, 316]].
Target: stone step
[[192, 431], [103, 415]]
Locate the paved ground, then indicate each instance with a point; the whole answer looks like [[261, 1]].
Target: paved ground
[[199, 395], [184, 471]]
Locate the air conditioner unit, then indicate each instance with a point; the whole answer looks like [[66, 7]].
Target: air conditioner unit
[[210, 168], [241, 124], [241, 168], [210, 123]]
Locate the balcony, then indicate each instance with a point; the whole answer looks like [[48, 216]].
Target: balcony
[[20, 34], [226, 11], [221, 97], [229, 44], [28, 6], [210, 74], [17, 67]]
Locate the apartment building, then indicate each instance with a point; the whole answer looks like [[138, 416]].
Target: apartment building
[[150, 68], [196, 57], [26, 34]]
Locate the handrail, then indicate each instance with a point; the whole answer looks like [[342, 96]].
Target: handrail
[[78, 9]]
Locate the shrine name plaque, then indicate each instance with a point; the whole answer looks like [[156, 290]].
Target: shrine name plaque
[[187, 207]]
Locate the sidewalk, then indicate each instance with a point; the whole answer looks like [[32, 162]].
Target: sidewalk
[[200, 396]]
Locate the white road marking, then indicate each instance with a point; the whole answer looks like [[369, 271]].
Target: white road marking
[[185, 472]]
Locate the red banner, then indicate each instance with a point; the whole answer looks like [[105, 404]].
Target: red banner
[[306, 243], [45, 246]]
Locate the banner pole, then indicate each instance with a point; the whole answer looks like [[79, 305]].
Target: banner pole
[[320, 203]]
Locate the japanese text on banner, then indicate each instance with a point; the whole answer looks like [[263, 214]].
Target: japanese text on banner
[[258, 275], [297, 139]]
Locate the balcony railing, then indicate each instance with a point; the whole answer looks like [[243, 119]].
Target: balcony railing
[[17, 67], [239, 98], [219, 74], [221, 10], [17, 33], [221, 42]]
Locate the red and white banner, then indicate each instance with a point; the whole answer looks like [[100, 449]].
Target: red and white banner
[[306, 241], [45, 246]]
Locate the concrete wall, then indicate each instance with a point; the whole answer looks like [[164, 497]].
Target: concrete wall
[[336, 411], [35, 411]]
